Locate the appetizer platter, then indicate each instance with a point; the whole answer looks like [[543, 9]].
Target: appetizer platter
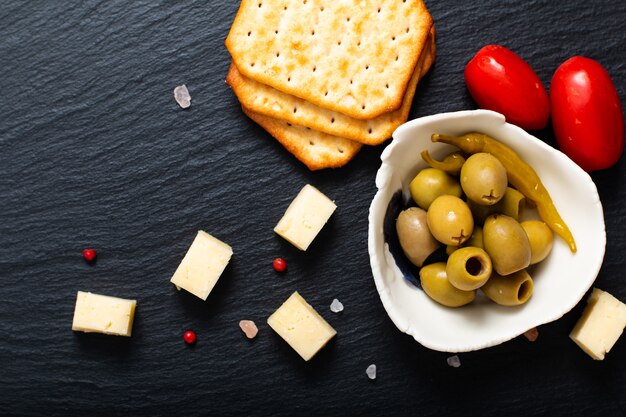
[[312, 207]]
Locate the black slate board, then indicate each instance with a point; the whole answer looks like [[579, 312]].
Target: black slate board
[[94, 152]]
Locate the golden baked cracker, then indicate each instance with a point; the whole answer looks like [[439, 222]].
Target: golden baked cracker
[[268, 101], [429, 59], [352, 56], [315, 149]]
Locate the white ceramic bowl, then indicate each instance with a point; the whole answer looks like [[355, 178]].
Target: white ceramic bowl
[[560, 281]]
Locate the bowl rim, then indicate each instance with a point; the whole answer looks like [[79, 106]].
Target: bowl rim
[[383, 177]]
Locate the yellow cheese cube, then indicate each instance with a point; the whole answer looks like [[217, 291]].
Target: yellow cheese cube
[[103, 314], [305, 217], [300, 325], [601, 324], [202, 266]]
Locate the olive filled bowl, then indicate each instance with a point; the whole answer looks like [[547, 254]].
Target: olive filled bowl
[[560, 281]]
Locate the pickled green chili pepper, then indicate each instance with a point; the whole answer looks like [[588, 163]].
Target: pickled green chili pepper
[[451, 164], [521, 176]]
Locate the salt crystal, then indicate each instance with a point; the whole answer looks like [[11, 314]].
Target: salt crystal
[[182, 97], [371, 371], [454, 361], [532, 334], [249, 328], [336, 306]]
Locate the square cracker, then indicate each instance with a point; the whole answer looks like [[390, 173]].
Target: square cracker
[[315, 149], [353, 57], [268, 101]]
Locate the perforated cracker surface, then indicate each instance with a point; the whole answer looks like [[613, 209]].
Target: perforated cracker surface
[[268, 101], [353, 57], [315, 149]]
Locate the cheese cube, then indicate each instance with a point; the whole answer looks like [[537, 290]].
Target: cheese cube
[[300, 325], [601, 324], [305, 217], [202, 266], [103, 314]]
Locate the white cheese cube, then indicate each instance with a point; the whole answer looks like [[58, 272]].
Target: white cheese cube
[[601, 324], [202, 266], [300, 325], [305, 217], [103, 314]]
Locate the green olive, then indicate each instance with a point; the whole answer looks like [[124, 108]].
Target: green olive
[[512, 290], [415, 239], [510, 205], [506, 243], [483, 179], [450, 220], [430, 183], [480, 212], [468, 268], [476, 240], [436, 286], [540, 237], [512, 202]]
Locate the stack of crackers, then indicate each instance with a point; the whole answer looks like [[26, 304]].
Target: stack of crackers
[[325, 77]]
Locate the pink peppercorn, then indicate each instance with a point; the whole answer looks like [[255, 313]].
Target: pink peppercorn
[[89, 255], [189, 337], [279, 265]]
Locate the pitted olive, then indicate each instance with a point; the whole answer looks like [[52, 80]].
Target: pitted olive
[[468, 268], [483, 179], [415, 238], [430, 183], [436, 285], [450, 220], [510, 204], [506, 243], [540, 237], [512, 290]]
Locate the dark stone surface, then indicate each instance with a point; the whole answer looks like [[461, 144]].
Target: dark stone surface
[[94, 152]]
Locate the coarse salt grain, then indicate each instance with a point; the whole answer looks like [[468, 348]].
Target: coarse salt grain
[[454, 361], [336, 306], [182, 97], [531, 334], [249, 328], [371, 371]]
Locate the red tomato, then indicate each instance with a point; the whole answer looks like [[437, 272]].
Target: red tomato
[[587, 114], [500, 80]]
